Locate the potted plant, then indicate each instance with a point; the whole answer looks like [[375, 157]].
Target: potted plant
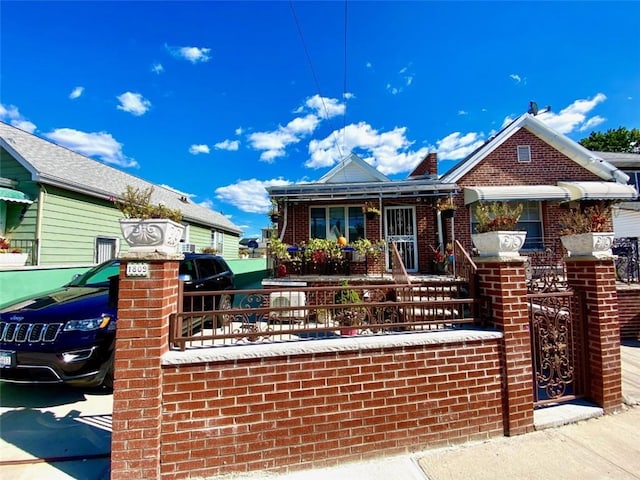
[[11, 257], [348, 317], [439, 261], [496, 229], [274, 213], [370, 210], [446, 207], [148, 228], [588, 231]]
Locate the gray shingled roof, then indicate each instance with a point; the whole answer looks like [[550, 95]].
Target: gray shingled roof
[[52, 164]]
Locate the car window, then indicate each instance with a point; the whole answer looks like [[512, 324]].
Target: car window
[[188, 268], [206, 267], [97, 276]]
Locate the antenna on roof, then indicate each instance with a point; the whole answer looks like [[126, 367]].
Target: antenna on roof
[[533, 109]]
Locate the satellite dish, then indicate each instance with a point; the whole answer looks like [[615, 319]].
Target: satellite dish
[[533, 108], [252, 244]]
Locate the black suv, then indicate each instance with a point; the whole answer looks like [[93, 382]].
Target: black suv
[[68, 335]]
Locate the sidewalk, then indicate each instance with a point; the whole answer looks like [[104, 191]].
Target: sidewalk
[[607, 447]]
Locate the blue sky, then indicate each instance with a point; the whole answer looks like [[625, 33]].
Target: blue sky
[[218, 100]]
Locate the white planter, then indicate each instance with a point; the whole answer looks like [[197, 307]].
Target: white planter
[[503, 243], [151, 235], [13, 259], [588, 244]]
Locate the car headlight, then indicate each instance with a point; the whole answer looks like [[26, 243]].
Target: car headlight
[[87, 324]]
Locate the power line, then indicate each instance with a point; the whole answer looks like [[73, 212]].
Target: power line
[[313, 72]]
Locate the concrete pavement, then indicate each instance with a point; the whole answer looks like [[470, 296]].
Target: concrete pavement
[[71, 430]]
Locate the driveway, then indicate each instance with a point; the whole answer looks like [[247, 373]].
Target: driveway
[[52, 426]]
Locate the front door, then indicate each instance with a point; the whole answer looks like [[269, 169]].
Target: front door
[[400, 227]]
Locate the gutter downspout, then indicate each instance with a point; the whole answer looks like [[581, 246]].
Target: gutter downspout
[[284, 223], [39, 215]]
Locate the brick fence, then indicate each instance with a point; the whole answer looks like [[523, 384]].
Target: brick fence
[[287, 406]]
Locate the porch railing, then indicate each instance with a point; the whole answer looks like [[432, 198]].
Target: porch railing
[[398, 270], [212, 319]]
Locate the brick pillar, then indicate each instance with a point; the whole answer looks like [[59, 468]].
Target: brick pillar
[[595, 279], [503, 283], [142, 337]]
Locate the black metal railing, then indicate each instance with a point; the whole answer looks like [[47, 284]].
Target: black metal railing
[[627, 261]]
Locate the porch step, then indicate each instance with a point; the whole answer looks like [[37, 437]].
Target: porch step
[[565, 413]]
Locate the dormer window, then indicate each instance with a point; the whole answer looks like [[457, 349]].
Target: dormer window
[[524, 153]]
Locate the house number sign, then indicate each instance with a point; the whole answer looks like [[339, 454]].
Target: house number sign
[[137, 269]]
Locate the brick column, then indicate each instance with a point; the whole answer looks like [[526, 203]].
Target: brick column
[[595, 279], [503, 282], [144, 306]]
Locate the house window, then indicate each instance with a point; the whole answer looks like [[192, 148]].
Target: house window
[[524, 153], [217, 240], [530, 221], [333, 222], [106, 249]]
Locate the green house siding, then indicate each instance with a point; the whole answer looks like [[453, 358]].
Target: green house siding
[[231, 244], [71, 223], [201, 237]]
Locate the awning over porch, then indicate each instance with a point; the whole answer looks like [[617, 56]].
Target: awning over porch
[[599, 190], [11, 195], [515, 192]]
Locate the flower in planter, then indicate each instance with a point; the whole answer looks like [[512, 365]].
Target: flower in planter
[[5, 246], [370, 209], [446, 204], [497, 216], [594, 219], [136, 203]]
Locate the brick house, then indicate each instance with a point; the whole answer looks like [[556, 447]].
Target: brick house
[[526, 162]]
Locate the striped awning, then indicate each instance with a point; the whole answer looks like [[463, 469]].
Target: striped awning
[[600, 190], [516, 193], [11, 195]]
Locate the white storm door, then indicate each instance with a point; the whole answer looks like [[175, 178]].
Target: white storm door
[[400, 227]]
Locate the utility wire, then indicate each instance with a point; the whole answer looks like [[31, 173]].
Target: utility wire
[[313, 72]]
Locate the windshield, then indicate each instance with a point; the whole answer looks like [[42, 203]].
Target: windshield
[[98, 276]]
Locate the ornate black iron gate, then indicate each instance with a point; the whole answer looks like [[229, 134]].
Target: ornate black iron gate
[[557, 341]]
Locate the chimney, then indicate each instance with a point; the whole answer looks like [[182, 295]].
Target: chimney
[[427, 167]]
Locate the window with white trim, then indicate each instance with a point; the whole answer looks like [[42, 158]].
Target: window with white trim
[[524, 153], [336, 221], [106, 249], [530, 221], [217, 240]]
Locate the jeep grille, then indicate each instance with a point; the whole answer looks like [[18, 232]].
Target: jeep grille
[[28, 332]]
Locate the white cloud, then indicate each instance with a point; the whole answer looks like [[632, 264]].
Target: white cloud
[[463, 112], [249, 195], [575, 116], [406, 79], [515, 77], [196, 149], [387, 151], [157, 68], [191, 54], [231, 145], [239, 131], [10, 114], [133, 103], [592, 122], [100, 145], [456, 145], [76, 93], [325, 107], [368, 65], [274, 143], [392, 90]]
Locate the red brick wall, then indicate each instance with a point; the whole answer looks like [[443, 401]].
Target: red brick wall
[[596, 279], [322, 409], [503, 284], [629, 312], [501, 167]]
